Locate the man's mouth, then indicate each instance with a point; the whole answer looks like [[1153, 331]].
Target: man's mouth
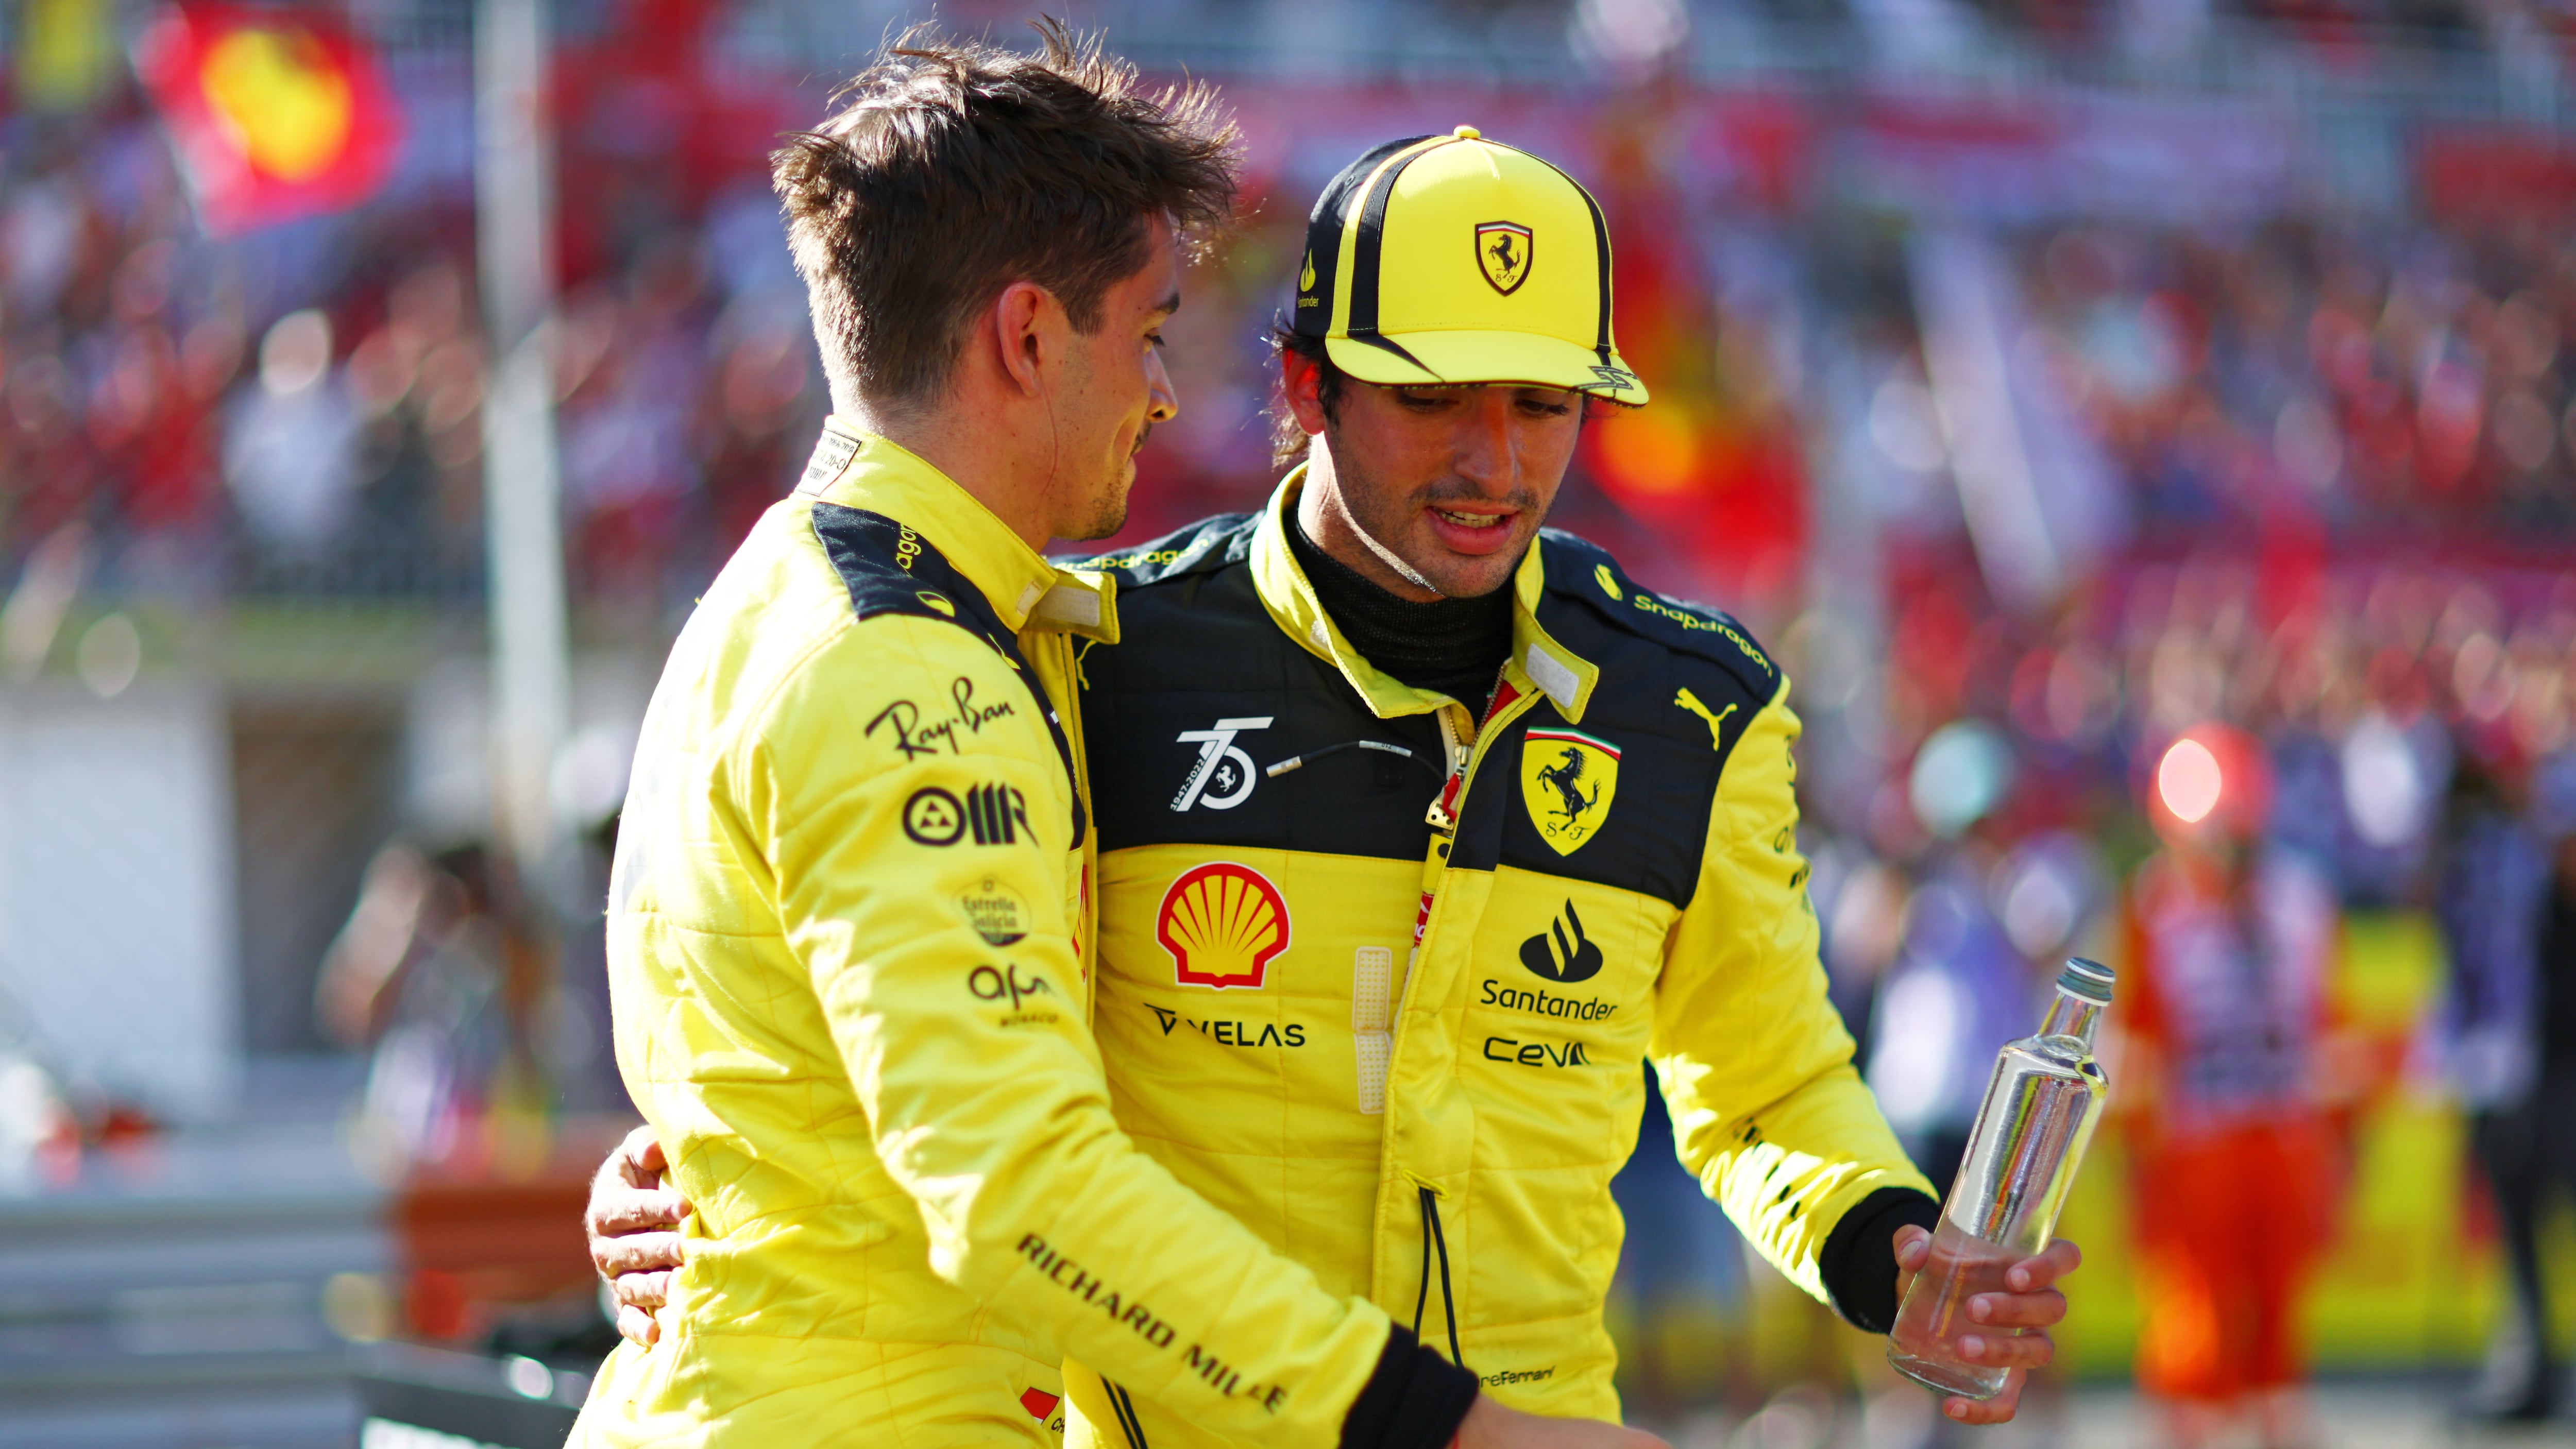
[[1470, 532]]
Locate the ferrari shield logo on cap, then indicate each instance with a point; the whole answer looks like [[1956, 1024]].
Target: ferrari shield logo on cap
[[1503, 254], [1567, 781]]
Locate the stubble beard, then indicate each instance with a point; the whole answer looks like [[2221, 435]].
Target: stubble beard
[[1447, 575], [1105, 512]]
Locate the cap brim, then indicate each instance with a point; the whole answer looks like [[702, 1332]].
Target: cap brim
[[1434, 359]]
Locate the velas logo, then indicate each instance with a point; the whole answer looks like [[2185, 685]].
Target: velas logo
[[1232, 1033], [1567, 780], [1223, 923], [1562, 953], [1503, 254]]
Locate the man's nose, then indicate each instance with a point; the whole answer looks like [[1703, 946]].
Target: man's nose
[[1162, 401], [1484, 441]]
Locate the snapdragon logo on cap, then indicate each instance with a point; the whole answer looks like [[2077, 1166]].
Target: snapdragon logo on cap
[[1453, 259]]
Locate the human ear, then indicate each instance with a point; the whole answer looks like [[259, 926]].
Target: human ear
[[1025, 321], [1302, 380]]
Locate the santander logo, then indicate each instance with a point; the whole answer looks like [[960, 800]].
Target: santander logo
[[1223, 923]]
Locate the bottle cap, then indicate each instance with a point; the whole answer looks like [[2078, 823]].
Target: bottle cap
[[2090, 980]]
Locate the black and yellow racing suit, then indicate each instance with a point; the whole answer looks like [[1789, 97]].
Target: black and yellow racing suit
[[1404, 1047]]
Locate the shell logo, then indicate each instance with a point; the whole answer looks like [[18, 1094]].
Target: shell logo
[[1223, 924]]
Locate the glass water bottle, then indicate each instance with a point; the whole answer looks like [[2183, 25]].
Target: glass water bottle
[[2041, 1107]]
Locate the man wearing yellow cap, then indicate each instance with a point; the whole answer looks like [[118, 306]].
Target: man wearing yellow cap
[[1420, 828]]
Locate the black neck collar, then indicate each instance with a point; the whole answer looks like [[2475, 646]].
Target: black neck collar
[[1455, 647]]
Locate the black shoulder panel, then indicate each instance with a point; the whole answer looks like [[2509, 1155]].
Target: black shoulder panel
[[1578, 569], [1677, 687], [890, 569], [1201, 547]]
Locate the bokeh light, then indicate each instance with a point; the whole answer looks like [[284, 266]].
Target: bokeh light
[[2385, 791], [1960, 775], [2188, 780]]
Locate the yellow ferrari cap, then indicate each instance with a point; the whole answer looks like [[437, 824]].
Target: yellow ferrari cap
[[1454, 259]]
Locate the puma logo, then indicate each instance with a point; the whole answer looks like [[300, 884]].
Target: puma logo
[[1691, 702]]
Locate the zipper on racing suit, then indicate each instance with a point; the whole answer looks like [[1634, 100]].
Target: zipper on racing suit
[[1443, 814], [1435, 1241], [1443, 817]]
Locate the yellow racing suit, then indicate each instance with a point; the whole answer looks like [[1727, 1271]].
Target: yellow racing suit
[[1406, 1050], [847, 941]]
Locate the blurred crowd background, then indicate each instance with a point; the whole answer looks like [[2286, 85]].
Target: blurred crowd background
[[2145, 428]]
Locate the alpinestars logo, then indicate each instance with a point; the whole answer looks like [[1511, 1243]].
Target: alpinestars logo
[[1224, 775], [1562, 953]]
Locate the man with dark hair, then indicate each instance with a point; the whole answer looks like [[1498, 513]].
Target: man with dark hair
[[849, 923], [1402, 1044]]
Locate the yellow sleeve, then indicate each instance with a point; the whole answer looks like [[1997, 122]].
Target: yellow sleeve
[[899, 771], [1768, 1112]]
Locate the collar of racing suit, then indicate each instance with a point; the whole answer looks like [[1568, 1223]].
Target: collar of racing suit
[[1451, 646], [1538, 662], [860, 469]]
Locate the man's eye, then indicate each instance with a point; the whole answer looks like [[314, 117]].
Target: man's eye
[[1538, 408], [1154, 339]]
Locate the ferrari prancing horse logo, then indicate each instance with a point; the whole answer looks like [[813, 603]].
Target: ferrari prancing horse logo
[[1503, 254], [1567, 780]]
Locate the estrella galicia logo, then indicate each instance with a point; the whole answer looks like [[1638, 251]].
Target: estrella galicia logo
[[996, 814], [998, 913], [1223, 777], [1562, 953]]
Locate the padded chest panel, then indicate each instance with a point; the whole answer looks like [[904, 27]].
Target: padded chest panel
[[1199, 656]]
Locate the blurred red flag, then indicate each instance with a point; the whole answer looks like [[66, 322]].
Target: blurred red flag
[[275, 114]]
